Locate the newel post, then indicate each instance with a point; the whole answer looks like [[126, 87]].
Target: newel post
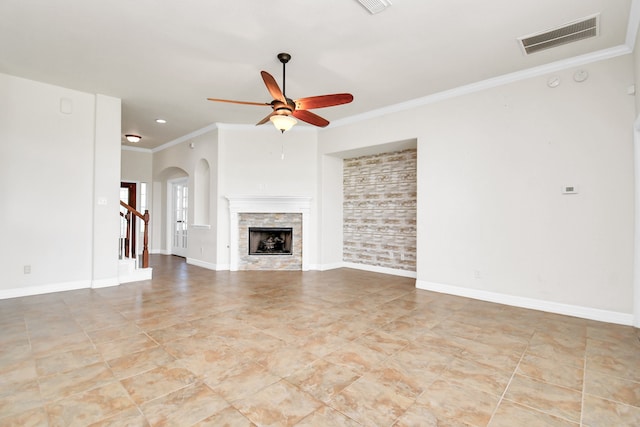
[[145, 248]]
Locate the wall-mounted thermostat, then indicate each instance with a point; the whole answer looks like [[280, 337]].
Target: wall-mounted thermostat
[[569, 189]]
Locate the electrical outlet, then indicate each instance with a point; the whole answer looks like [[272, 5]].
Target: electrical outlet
[[27, 269]]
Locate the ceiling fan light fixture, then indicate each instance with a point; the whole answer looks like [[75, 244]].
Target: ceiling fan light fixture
[[283, 123], [133, 138]]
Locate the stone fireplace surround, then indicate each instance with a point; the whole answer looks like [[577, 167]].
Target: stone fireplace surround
[[266, 204]]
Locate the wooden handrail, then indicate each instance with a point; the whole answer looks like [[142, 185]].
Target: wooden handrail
[[145, 243]]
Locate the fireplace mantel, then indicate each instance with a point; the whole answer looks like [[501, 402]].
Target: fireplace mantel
[[267, 204]]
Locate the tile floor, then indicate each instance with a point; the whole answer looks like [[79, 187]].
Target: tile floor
[[195, 347]]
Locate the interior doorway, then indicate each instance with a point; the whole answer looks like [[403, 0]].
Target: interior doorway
[[180, 213], [128, 195]]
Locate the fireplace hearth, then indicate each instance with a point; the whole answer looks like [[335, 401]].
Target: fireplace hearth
[[270, 240]]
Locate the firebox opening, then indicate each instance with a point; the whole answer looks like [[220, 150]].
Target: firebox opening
[[270, 240]]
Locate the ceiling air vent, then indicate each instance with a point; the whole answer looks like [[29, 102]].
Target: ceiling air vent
[[375, 6], [568, 33]]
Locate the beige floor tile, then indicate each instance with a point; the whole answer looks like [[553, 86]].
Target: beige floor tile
[[89, 407], [550, 371], [185, 406], [370, 403], [125, 346], [63, 362], [618, 365], [113, 333], [323, 379], [326, 416], [467, 373], [320, 344], [19, 398], [212, 363], [356, 357], [402, 378], [452, 404], [548, 398], [36, 417], [511, 414], [157, 382], [600, 412], [353, 347], [285, 361], [142, 361], [61, 385], [382, 342], [241, 381], [280, 404], [61, 344], [128, 418], [612, 388], [17, 372], [422, 416], [228, 417]]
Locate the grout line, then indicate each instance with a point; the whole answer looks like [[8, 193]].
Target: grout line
[[508, 384], [584, 385]]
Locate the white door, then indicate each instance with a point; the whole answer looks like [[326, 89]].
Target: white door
[[180, 209]]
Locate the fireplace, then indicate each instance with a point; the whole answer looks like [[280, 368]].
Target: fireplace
[[270, 240], [281, 212]]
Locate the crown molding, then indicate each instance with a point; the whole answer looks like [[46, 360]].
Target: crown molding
[[488, 84], [137, 149], [632, 25], [186, 137]]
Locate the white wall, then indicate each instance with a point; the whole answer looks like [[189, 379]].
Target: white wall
[[330, 240], [47, 179], [136, 166], [492, 222], [251, 163], [181, 160], [106, 191]]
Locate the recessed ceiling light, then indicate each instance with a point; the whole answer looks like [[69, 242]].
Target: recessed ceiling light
[[161, 121]]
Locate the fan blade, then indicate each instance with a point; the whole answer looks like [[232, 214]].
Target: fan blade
[[239, 102], [266, 119], [311, 118], [323, 101], [272, 86]]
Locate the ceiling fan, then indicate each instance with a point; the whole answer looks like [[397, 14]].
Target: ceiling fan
[[285, 109]]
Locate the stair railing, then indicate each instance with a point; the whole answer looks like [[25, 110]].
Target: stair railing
[[126, 247]]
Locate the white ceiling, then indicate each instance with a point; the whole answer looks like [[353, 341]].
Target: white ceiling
[[163, 58]]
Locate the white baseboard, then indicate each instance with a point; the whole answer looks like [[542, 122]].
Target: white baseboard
[[159, 252], [203, 264], [530, 303], [44, 289], [105, 283], [378, 269], [325, 267]]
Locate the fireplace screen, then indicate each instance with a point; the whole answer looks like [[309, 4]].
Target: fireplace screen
[[270, 241]]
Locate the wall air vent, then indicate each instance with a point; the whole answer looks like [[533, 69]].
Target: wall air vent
[[375, 6], [568, 33]]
